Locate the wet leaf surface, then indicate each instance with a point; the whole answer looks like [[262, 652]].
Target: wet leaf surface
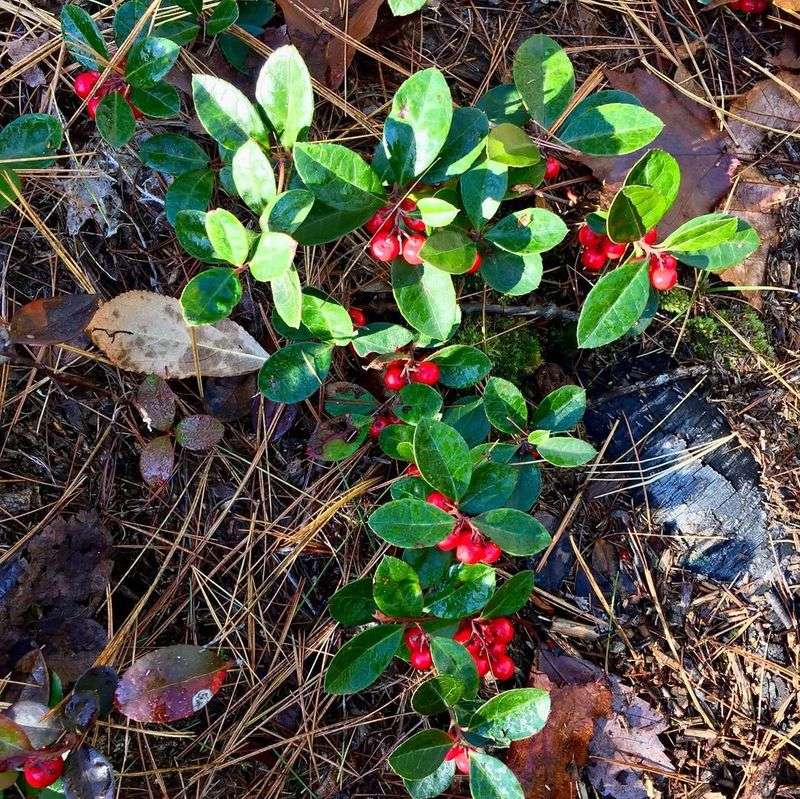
[[88, 775]]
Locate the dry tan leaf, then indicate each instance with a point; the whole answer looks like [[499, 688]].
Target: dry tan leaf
[[690, 134], [788, 5], [328, 55], [141, 331]]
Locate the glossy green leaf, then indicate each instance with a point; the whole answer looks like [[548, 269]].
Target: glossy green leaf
[[512, 596], [149, 60], [211, 296], [295, 372], [430, 563], [461, 366], [426, 298], [181, 31], [82, 38], [191, 191], [703, 232], [614, 305], [560, 410], [464, 144], [511, 274], [228, 236], [436, 695], [159, 101], [285, 95], [491, 485], [253, 176], [173, 154], [437, 212], [438, 782], [287, 296], [503, 103], [566, 452], [397, 441], [396, 588], [505, 406], [442, 456], [659, 170], [528, 231], [512, 715], [225, 113], [466, 591], [324, 223], [421, 754], [353, 604], [325, 318], [287, 211], [410, 523], [743, 243], [363, 659], [490, 778], [468, 417], [114, 119], [513, 531], [273, 257], [223, 16], [30, 141], [510, 145], [452, 659], [483, 188], [381, 338], [529, 483], [635, 210], [544, 77], [450, 250], [416, 402], [610, 129]]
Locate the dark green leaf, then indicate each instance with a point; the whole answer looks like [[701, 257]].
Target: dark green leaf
[[192, 6], [224, 15], [353, 604], [295, 372], [416, 402], [173, 154], [410, 488], [211, 296], [610, 129], [452, 659], [510, 597], [189, 192], [430, 563], [149, 60], [560, 410], [397, 441], [160, 101], [461, 366], [228, 236], [529, 484], [83, 38], [324, 223], [468, 417], [490, 487], [544, 77], [181, 31], [348, 398], [410, 523], [464, 144], [128, 14], [513, 531], [436, 695], [115, 121], [490, 778], [253, 176], [482, 190], [528, 231], [511, 274], [442, 456], [466, 591], [450, 250], [566, 452], [363, 659], [226, 114], [503, 103], [505, 406], [512, 715], [30, 141], [426, 298], [286, 212], [396, 589], [510, 145], [431, 786], [421, 754], [381, 338]]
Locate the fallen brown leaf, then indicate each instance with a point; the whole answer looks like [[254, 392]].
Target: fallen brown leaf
[[788, 5], [141, 331], [52, 320]]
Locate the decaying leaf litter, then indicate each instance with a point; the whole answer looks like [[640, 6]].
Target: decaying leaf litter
[[251, 539]]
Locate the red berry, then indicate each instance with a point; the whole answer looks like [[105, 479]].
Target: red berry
[[412, 470], [427, 372], [593, 260], [450, 542], [439, 500], [482, 665], [385, 246], [475, 648], [414, 223], [41, 773], [476, 264], [413, 244], [501, 630], [613, 251], [552, 168], [663, 273], [380, 219], [498, 649], [378, 425], [421, 659], [651, 237], [464, 632], [91, 106], [462, 761], [84, 83], [415, 638], [503, 668], [588, 238], [469, 552], [491, 552], [407, 205], [393, 377], [358, 316], [669, 261]]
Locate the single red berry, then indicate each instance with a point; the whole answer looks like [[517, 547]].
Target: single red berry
[[412, 470], [462, 761], [502, 630], [588, 238], [464, 633], [669, 261], [476, 264], [414, 638], [379, 424], [651, 237], [450, 541], [407, 205], [385, 246], [382, 218], [613, 251], [469, 552], [393, 377], [91, 106], [84, 83], [662, 277], [503, 668], [41, 773], [491, 552], [593, 260], [498, 649], [358, 316], [439, 500], [482, 665], [421, 659], [552, 168], [411, 247], [426, 372], [414, 223]]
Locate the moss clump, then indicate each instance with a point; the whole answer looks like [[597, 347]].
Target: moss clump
[[710, 339], [512, 346], [677, 301]]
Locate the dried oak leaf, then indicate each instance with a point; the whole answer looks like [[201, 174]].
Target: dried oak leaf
[[141, 331], [327, 55], [52, 320], [690, 134]]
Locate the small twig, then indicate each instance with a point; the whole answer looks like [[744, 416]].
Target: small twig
[[544, 313]]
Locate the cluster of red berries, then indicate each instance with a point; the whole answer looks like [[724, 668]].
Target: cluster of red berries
[[420, 651], [41, 773], [750, 6], [487, 642], [598, 248], [85, 83], [402, 372], [467, 542]]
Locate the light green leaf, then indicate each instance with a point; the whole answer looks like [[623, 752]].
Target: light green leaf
[[610, 129], [381, 338], [560, 410], [253, 176], [743, 243], [510, 145], [566, 452], [635, 210], [450, 250], [325, 318], [226, 114], [228, 236], [701, 233], [659, 170], [287, 295], [436, 212], [513, 531], [273, 257]]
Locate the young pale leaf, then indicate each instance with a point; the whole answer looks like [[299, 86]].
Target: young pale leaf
[[560, 410], [325, 318], [464, 144], [30, 141], [436, 212], [149, 60], [172, 154], [337, 176], [635, 210], [490, 778], [659, 170], [223, 16], [401, 8], [226, 114], [503, 103], [528, 231], [452, 659], [211, 296], [701, 233], [363, 659], [87, 775], [115, 121], [170, 683], [461, 366], [253, 176], [416, 402], [491, 485], [191, 191], [353, 604], [417, 127], [450, 250], [410, 523], [83, 38], [544, 76], [566, 452], [228, 236], [286, 212], [510, 145], [505, 406], [510, 597], [483, 188], [421, 754], [511, 274], [287, 296], [273, 257], [743, 243], [396, 588], [614, 305], [436, 695], [443, 459], [381, 338], [513, 531], [426, 298], [512, 715], [467, 590], [610, 129], [285, 95], [295, 372]]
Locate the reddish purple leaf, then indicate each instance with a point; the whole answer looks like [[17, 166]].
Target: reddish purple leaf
[[53, 320], [87, 775], [170, 683], [156, 402], [198, 433], [156, 462], [13, 742]]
